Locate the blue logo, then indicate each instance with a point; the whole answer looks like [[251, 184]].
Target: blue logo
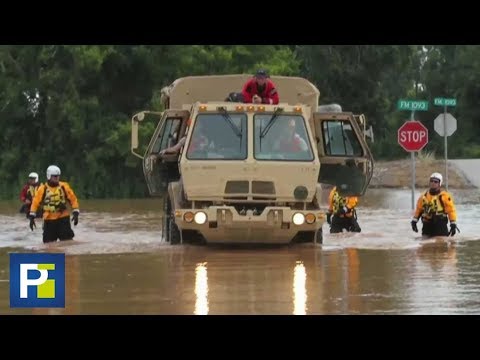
[[37, 280]]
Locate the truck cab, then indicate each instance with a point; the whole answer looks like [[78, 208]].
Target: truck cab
[[249, 173]]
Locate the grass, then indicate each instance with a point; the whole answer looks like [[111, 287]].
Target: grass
[[426, 157]]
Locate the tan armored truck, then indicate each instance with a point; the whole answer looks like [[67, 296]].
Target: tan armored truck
[[249, 173]]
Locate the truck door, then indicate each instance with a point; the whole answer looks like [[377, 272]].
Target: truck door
[[345, 158], [159, 171]]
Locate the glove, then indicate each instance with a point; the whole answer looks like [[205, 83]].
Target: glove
[[329, 218], [23, 209], [414, 225], [31, 216], [453, 229], [75, 214]]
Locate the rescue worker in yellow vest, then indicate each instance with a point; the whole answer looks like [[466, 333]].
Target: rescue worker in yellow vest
[[28, 193], [436, 207], [52, 197], [342, 213]]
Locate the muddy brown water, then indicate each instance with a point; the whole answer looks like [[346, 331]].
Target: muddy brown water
[[118, 264]]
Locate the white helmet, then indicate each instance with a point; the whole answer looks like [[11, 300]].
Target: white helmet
[[52, 170], [33, 175], [437, 176]]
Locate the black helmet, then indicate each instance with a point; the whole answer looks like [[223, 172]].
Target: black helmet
[[235, 97], [261, 73]]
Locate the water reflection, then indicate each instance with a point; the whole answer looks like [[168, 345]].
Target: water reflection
[[440, 256], [299, 289], [353, 281], [201, 289], [435, 284]]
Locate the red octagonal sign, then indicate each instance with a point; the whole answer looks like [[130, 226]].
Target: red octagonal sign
[[413, 136]]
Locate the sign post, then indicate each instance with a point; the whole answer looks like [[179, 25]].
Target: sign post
[[414, 175], [412, 135], [453, 125]]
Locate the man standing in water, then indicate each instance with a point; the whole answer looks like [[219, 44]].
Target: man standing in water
[[436, 207], [342, 213], [52, 197], [28, 193]]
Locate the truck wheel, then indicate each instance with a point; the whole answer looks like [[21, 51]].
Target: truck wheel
[[171, 232], [319, 236], [166, 219], [174, 233]]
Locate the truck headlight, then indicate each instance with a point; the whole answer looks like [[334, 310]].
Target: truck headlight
[[200, 217], [298, 219]]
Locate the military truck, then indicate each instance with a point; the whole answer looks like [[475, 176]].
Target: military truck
[[249, 173]]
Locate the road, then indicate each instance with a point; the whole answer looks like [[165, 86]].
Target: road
[[470, 168]]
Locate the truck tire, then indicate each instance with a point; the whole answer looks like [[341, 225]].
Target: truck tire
[[170, 228], [174, 233], [319, 236], [166, 219]]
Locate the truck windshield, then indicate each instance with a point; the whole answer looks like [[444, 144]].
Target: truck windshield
[[214, 137], [287, 138]]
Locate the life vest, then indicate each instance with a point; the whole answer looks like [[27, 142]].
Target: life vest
[[433, 207], [31, 191], [54, 200], [338, 202]]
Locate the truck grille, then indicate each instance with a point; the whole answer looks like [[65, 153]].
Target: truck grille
[[263, 187], [236, 187], [258, 188]]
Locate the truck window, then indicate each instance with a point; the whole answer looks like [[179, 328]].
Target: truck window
[[283, 138], [169, 137], [340, 139], [216, 136]]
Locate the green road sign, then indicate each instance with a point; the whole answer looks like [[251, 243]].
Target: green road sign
[[445, 102], [413, 105]]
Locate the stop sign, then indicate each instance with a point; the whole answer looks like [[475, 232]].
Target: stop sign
[[413, 136]]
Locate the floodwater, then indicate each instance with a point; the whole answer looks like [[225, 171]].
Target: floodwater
[[118, 264]]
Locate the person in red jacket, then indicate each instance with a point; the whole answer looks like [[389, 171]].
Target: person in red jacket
[[290, 141], [260, 90], [28, 192]]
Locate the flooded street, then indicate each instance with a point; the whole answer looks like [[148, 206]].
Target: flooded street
[[118, 264]]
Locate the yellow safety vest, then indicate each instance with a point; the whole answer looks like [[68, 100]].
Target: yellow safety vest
[[31, 191], [338, 202], [55, 200]]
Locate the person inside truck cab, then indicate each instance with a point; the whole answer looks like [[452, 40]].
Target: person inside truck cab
[[260, 90], [199, 142], [290, 141], [175, 149]]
